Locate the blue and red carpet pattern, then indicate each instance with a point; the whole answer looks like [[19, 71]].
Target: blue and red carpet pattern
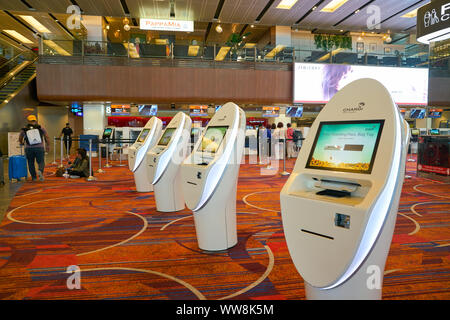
[[125, 249]]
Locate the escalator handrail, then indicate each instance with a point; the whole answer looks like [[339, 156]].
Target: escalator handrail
[[21, 67]]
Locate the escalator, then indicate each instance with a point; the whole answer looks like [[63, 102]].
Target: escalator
[[15, 74]]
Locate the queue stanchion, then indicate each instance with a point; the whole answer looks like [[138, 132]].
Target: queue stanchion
[[91, 177], [284, 173], [61, 152], [269, 158], [107, 165], [99, 158], [54, 151], [120, 157]]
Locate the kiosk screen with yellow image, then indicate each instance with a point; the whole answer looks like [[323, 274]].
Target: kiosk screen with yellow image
[[143, 135], [348, 146], [165, 139], [212, 139]]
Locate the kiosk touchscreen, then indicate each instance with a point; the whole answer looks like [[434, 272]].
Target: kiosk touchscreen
[[209, 178], [340, 203], [164, 162], [147, 139]]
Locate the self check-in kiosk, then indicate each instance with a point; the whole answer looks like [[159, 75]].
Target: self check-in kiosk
[[210, 175], [146, 140], [164, 162], [340, 203]]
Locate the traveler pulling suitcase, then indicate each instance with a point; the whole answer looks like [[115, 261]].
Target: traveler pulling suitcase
[[17, 167]]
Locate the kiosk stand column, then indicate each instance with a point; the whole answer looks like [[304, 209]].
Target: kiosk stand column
[[210, 175], [54, 151], [91, 177]]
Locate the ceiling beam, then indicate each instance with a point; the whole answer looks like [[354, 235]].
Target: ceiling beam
[[313, 8], [263, 12], [355, 12]]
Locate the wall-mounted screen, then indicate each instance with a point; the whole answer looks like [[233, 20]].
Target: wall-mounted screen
[[198, 111], [271, 112], [435, 113], [348, 146], [107, 133], [143, 135], [435, 132], [318, 83], [167, 135], [213, 138], [148, 109], [417, 114], [294, 112], [120, 109]]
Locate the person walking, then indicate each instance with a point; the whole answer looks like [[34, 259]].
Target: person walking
[[36, 141], [67, 132], [290, 141]]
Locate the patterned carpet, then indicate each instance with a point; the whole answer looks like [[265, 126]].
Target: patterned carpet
[[127, 250]]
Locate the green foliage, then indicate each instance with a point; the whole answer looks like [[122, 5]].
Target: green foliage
[[235, 41], [329, 42]]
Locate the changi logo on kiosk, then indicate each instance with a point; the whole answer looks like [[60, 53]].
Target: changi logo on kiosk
[[360, 107]]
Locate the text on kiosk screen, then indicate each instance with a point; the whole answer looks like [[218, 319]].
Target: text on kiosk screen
[[143, 135], [212, 139], [348, 146], [165, 139]]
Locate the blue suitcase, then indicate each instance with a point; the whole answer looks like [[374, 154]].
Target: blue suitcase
[[17, 167]]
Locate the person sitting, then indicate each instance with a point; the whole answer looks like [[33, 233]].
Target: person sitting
[[80, 166]]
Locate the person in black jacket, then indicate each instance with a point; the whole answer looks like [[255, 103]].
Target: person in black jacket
[[67, 132]]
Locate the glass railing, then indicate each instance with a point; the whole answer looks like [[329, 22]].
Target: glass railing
[[7, 66], [225, 53]]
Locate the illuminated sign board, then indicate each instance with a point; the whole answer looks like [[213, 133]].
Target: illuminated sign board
[[166, 25]]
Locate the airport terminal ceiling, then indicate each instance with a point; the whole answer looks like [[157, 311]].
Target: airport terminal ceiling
[[255, 16]]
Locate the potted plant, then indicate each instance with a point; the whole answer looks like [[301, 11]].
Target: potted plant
[[235, 42]]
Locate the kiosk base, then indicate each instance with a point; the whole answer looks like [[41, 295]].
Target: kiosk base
[[168, 196], [141, 180], [215, 225]]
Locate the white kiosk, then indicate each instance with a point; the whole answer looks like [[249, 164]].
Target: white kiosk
[[146, 140], [164, 162], [339, 206], [210, 175]]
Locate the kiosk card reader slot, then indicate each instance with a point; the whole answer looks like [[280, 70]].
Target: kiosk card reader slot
[[164, 162], [147, 138], [343, 193], [210, 175]]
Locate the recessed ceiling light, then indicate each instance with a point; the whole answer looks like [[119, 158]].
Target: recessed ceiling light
[[286, 4], [333, 5], [35, 24], [18, 36], [411, 14]]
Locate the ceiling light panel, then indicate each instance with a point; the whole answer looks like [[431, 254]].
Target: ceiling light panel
[[286, 4], [333, 5], [35, 24], [18, 36]]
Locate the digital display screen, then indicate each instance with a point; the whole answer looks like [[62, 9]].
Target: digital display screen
[[417, 114], [319, 82], [434, 114], [435, 132], [199, 111], [348, 146], [120, 109], [107, 133], [415, 132], [148, 109], [271, 112], [143, 135], [218, 107], [294, 112], [212, 139], [167, 135]]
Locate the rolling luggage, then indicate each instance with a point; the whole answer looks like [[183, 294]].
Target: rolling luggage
[[17, 167]]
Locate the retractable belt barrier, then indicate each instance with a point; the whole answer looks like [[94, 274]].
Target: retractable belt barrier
[[97, 141]]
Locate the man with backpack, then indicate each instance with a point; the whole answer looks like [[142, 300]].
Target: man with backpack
[[34, 136]]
